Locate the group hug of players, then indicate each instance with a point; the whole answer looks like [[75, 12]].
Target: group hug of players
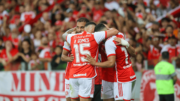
[[83, 45]]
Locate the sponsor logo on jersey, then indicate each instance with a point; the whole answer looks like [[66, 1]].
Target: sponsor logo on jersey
[[127, 66], [80, 64], [131, 77], [75, 75]]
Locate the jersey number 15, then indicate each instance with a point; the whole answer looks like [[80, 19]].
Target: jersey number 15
[[79, 51]]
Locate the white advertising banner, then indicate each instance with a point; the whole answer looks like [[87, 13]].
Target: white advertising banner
[[32, 86]]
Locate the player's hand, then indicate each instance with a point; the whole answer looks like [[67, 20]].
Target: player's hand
[[71, 58], [118, 40], [121, 41], [90, 59]]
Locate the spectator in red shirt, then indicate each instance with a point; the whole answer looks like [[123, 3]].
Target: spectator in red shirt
[[83, 12], [28, 14], [6, 56], [45, 53], [154, 51], [14, 37], [171, 48]]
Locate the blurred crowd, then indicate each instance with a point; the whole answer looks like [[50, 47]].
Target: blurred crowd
[[137, 19]]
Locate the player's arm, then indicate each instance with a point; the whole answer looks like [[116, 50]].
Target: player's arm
[[123, 42], [65, 56], [112, 32], [111, 54], [109, 63], [67, 32], [173, 73], [65, 52]]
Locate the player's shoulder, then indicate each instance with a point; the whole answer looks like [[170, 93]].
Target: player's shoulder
[[99, 32], [120, 35], [72, 35], [110, 40]]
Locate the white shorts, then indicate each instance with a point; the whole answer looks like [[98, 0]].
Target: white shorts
[[107, 91], [81, 87], [123, 90], [67, 90]]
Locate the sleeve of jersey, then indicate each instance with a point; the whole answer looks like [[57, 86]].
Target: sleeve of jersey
[[66, 46], [99, 36], [110, 48], [68, 38], [164, 49], [41, 55]]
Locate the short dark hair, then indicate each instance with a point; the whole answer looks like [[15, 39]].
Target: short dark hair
[[83, 19], [90, 23], [172, 37], [103, 22], [169, 26], [99, 27], [59, 47], [165, 55], [165, 19]]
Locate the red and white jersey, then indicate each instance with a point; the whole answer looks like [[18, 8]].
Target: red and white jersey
[[45, 53], [123, 65], [3, 14], [67, 48], [153, 53], [3, 53], [178, 49], [171, 50], [107, 73], [27, 16], [81, 45]]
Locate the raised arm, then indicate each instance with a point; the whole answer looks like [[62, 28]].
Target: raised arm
[[67, 32], [123, 42], [111, 32]]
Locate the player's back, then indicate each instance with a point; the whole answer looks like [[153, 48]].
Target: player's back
[[123, 64], [81, 45], [107, 73]]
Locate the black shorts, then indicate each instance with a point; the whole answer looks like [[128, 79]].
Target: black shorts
[[97, 93], [168, 97]]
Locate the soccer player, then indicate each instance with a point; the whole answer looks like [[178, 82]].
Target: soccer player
[[81, 73], [69, 58], [117, 52]]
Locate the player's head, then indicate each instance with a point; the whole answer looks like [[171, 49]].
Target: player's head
[[165, 55], [100, 27], [89, 27], [81, 22]]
